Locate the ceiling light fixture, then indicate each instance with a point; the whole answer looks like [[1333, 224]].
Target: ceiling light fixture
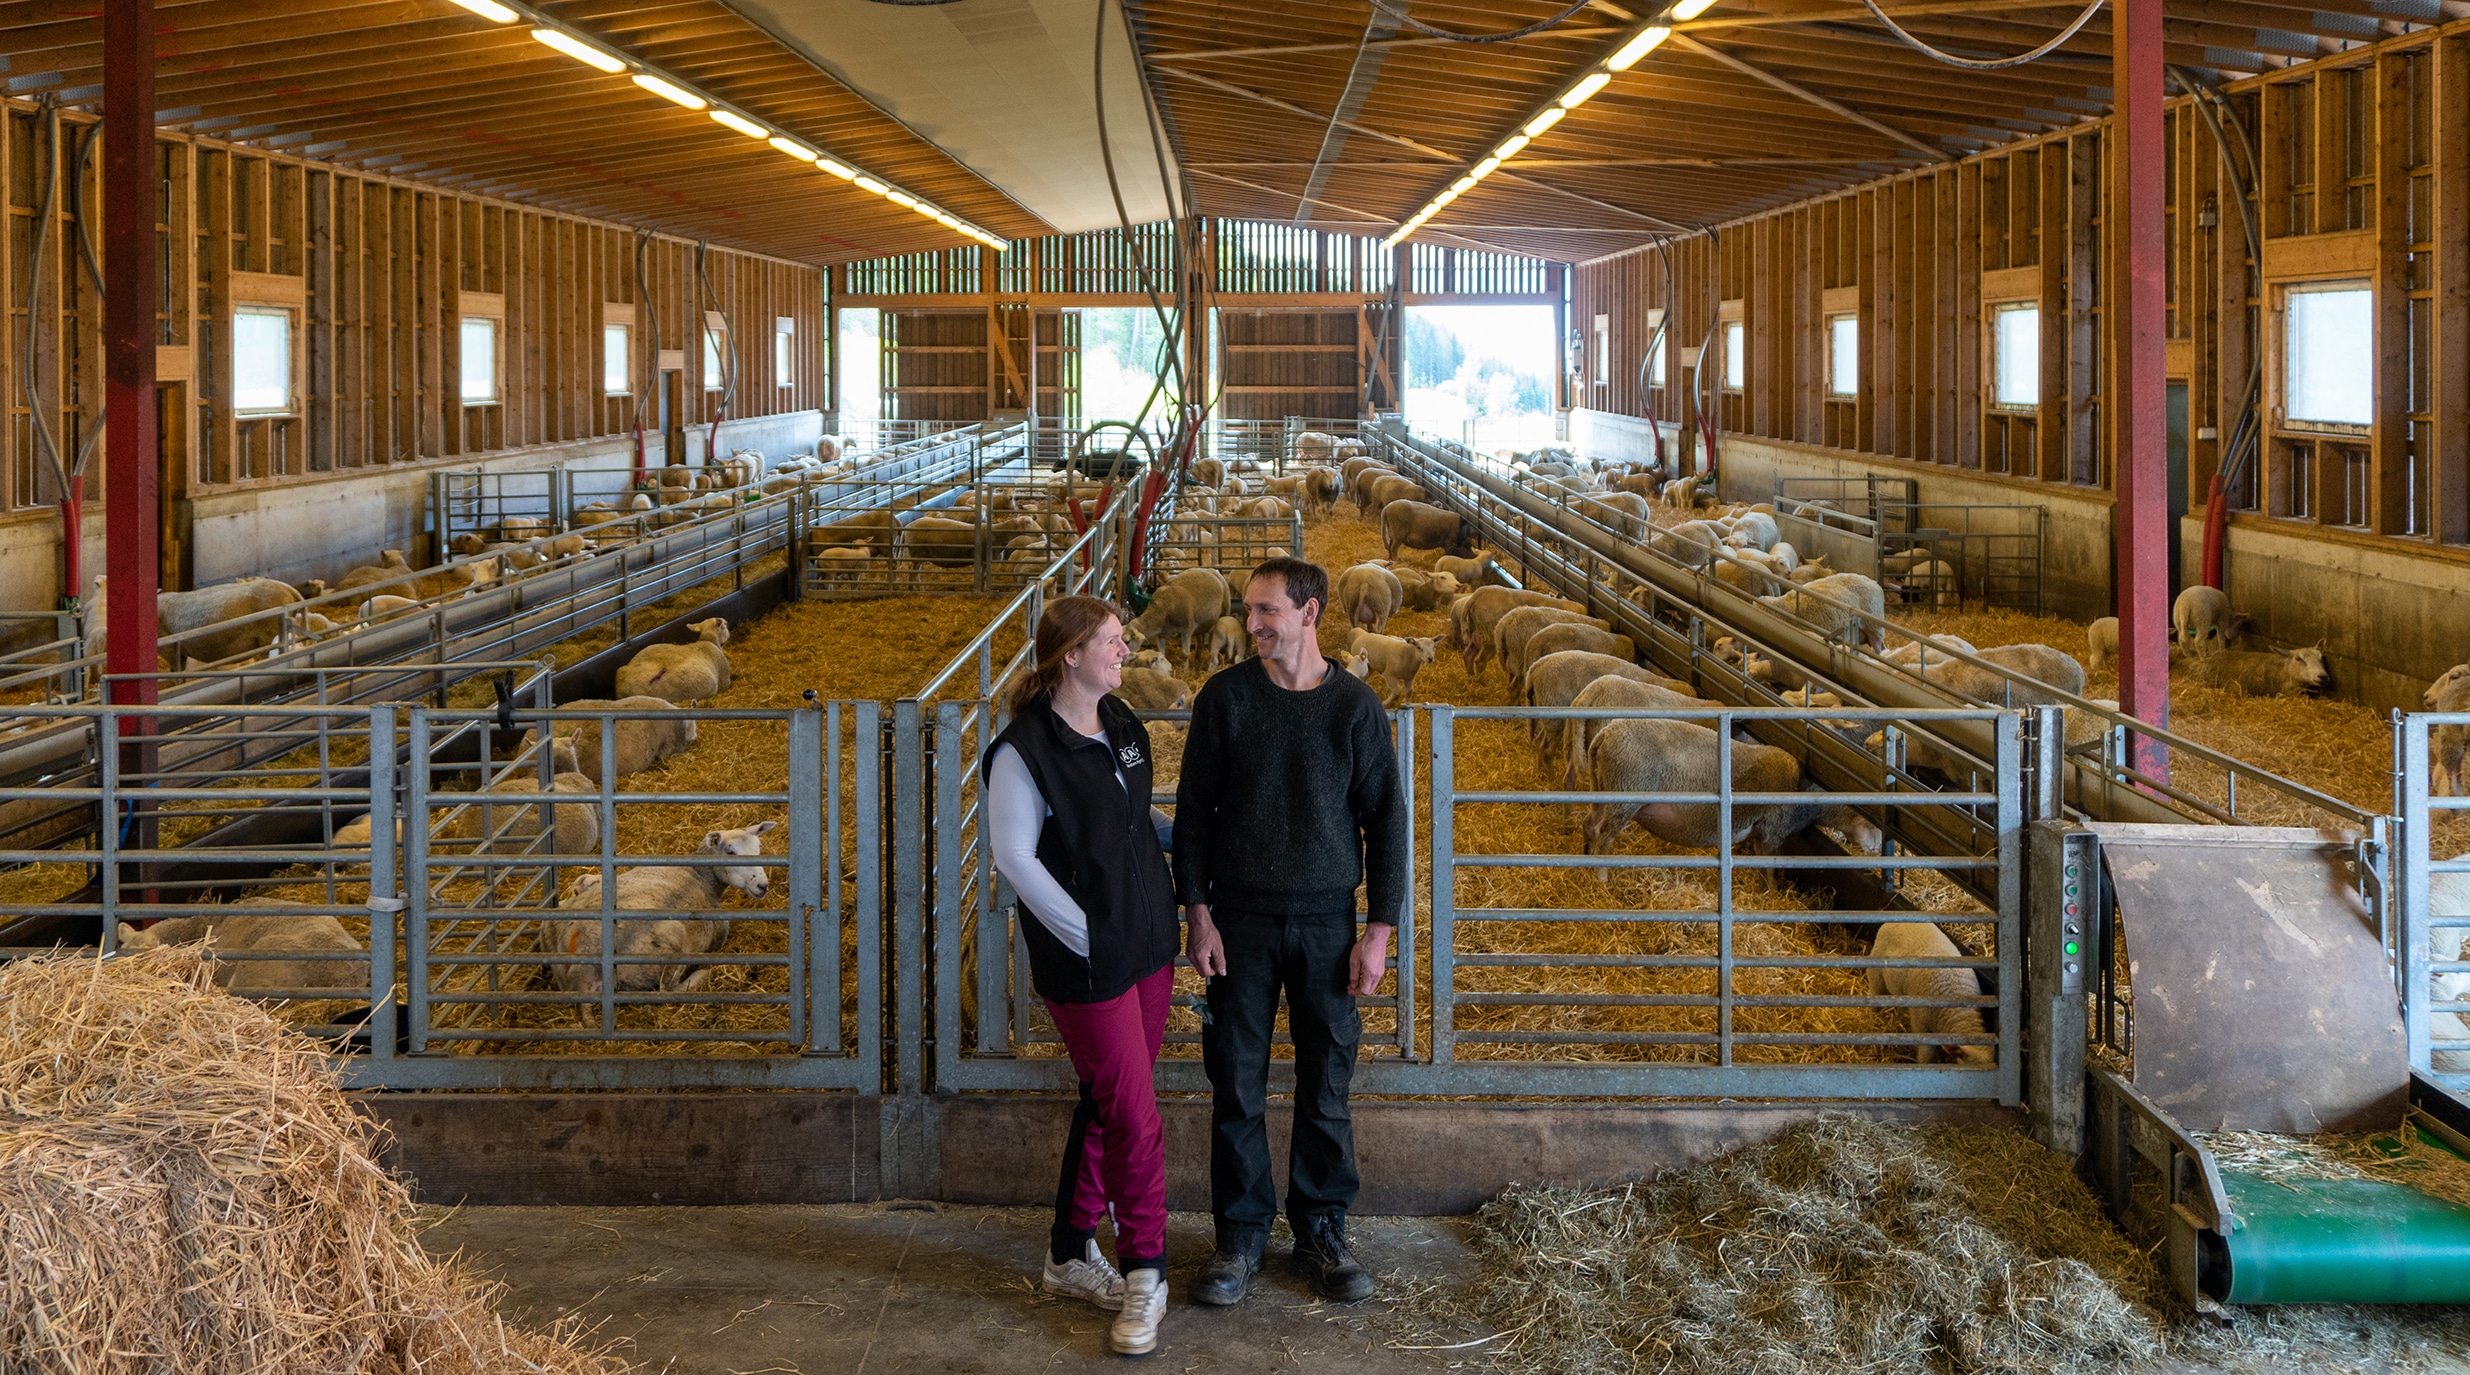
[[871, 186], [1585, 90], [579, 50], [845, 173], [740, 123], [672, 94], [1551, 116], [793, 148], [490, 10], [1646, 42], [1691, 9]]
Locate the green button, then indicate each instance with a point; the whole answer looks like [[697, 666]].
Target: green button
[[2071, 947]]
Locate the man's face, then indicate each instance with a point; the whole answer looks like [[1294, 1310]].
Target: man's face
[[1275, 622]]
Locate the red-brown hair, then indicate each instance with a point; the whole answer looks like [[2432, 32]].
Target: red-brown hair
[[1065, 625]]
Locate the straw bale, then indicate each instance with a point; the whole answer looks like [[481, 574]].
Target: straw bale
[[183, 1186]]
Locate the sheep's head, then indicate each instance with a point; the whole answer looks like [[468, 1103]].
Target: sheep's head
[[2437, 689], [2307, 665], [753, 880]]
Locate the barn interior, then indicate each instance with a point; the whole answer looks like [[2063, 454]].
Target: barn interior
[[2038, 428]]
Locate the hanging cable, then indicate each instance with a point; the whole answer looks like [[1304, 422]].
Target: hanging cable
[[1977, 64], [651, 313], [78, 223], [727, 357], [1398, 12], [47, 141]]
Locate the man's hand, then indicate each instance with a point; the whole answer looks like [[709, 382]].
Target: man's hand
[[1369, 960], [1202, 942]]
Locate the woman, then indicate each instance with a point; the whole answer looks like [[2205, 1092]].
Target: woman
[[1067, 795]]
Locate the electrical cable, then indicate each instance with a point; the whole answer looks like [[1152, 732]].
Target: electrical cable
[[47, 137], [1398, 12], [1663, 328], [1981, 64], [651, 311], [93, 437], [709, 298]]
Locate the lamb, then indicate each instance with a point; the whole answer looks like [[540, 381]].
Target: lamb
[[2448, 744], [1426, 591], [638, 742], [1320, 491], [1620, 511], [1930, 584], [2201, 622], [1417, 524], [1188, 604], [1682, 493], [1556, 680], [1666, 756], [177, 613], [1266, 508], [1229, 643], [1396, 660], [509, 828], [308, 934], [1153, 689], [1760, 530], [1832, 607], [1473, 617], [2101, 644], [1908, 940], [391, 564], [1569, 635], [2280, 673], [1521, 624], [1369, 595], [686, 674], [1606, 693], [2040, 663], [842, 565], [1470, 572], [939, 541], [648, 954]]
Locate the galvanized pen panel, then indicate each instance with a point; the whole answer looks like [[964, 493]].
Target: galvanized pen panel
[[2428, 935]]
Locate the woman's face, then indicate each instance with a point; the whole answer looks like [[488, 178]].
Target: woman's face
[[1098, 665]]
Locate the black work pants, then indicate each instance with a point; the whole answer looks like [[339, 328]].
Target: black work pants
[[1305, 958]]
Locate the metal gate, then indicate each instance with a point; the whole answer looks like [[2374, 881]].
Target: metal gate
[[2426, 940]]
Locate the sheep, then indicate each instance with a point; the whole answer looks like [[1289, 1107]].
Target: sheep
[[1605, 693], [1760, 529], [2280, 673], [1521, 624], [1620, 511], [661, 888], [2201, 622], [177, 613], [1568, 635], [939, 541], [455, 577], [308, 934], [1153, 689], [2447, 744], [1416, 524], [1914, 652], [1683, 493], [1748, 570], [1810, 571], [1473, 617], [1311, 445], [1188, 604], [1931, 584], [1427, 591], [1207, 472], [1357, 665], [2101, 644], [1831, 606], [686, 674], [1266, 508], [639, 743], [1320, 490], [1693, 543], [509, 828], [1369, 595], [1229, 643], [1381, 491], [1904, 940], [1396, 660], [1666, 756], [2039, 663], [842, 565], [1470, 572], [1556, 680], [391, 564], [2448, 895]]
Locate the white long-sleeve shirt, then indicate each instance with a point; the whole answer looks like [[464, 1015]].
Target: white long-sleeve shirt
[[1015, 813]]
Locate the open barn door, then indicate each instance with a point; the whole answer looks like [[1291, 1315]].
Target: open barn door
[[1279, 363]]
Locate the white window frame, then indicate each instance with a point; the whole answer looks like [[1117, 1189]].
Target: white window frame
[[1990, 340], [617, 315], [715, 350], [291, 370], [2282, 419], [1656, 354], [489, 306], [1603, 350], [1835, 323], [265, 293], [1736, 357], [784, 352]]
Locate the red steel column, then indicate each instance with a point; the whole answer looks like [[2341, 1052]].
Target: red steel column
[[2137, 325], [129, 292]]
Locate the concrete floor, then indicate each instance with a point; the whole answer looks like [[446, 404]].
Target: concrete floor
[[877, 1289]]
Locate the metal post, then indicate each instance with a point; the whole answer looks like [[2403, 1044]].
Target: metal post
[[2136, 326], [806, 854], [383, 904], [1444, 877], [2412, 933], [129, 298]]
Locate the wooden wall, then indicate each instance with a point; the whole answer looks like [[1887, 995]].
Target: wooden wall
[[2363, 175]]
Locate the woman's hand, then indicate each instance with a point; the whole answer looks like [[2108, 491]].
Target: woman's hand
[[1202, 943]]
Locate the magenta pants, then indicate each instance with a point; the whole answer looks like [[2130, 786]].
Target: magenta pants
[[1117, 1151]]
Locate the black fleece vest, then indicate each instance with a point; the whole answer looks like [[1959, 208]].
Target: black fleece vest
[[1098, 843]]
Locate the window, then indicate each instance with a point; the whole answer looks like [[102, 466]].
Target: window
[[616, 360], [262, 360], [1736, 356], [715, 351], [2015, 357], [479, 360], [1603, 350], [2328, 355], [1843, 355], [1655, 360], [784, 352]]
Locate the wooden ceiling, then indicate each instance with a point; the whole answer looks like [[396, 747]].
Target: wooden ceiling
[[431, 91], [1315, 110], [1755, 104]]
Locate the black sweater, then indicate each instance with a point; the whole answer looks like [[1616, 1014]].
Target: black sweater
[[1288, 799]]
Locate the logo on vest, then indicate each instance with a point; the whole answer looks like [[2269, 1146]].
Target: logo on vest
[[1129, 756]]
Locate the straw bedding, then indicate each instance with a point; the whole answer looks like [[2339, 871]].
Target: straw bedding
[[183, 1187]]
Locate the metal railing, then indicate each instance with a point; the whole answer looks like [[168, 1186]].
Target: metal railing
[[1229, 544], [2426, 936]]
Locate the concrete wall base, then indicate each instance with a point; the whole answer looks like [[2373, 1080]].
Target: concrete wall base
[[1417, 1158]]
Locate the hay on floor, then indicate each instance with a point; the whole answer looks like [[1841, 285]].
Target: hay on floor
[[183, 1187]]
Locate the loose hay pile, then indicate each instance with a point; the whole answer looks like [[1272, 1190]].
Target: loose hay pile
[[1841, 1244], [184, 1188], [2407, 1157]]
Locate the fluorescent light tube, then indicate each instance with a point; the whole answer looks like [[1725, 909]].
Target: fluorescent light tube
[[1585, 90], [1485, 168], [871, 186], [670, 93], [900, 198], [1544, 121], [1637, 48], [1510, 146], [836, 169], [740, 123], [1691, 9], [579, 50], [490, 10], [794, 149]]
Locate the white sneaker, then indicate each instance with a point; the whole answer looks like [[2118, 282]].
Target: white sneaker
[[1144, 1304], [1089, 1278]]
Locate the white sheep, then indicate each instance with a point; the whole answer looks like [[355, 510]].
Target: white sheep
[[1396, 660], [686, 674], [639, 743], [310, 934], [649, 954], [1919, 939]]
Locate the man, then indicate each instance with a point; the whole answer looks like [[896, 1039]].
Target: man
[[1289, 799]]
